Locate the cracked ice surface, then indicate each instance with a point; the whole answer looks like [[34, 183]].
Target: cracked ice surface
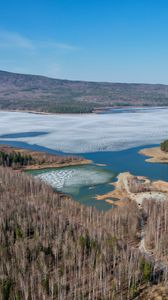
[[89, 132], [70, 179]]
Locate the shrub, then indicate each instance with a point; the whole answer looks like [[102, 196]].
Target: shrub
[[164, 146]]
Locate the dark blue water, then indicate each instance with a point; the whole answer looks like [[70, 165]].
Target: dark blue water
[[22, 134], [130, 160], [33, 147], [86, 196]]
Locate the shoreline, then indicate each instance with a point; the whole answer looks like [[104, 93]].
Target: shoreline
[[155, 155], [96, 110], [41, 160], [33, 112], [135, 188], [56, 165]]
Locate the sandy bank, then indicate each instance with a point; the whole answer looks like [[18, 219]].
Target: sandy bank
[[57, 165], [119, 203], [156, 155], [135, 188]]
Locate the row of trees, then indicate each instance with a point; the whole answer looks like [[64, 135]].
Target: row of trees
[[14, 159], [138, 185], [50, 106], [156, 229], [54, 248]]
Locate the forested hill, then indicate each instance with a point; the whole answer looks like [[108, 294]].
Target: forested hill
[[39, 93], [53, 248]]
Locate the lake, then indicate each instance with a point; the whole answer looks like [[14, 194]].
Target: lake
[[83, 183]]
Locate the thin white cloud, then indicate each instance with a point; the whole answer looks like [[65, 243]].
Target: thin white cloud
[[57, 45], [65, 46], [14, 40]]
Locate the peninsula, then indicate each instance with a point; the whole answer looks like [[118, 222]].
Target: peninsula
[[156, 154], [23, 159], [135, 188]]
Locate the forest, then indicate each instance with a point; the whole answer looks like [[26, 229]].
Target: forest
[[43, 94], [54, 248]]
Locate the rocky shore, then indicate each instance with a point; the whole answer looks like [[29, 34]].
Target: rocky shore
[[135, 188]]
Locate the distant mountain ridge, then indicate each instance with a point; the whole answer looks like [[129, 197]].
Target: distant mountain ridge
[[44, 94]]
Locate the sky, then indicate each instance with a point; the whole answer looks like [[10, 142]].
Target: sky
[[95, 40]]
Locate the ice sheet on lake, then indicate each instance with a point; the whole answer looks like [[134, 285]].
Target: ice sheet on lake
[[70, 179], [89, 132]]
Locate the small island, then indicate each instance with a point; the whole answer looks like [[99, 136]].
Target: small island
[[156, 154]]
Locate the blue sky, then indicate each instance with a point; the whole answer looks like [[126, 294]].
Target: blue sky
[[97, 40]]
